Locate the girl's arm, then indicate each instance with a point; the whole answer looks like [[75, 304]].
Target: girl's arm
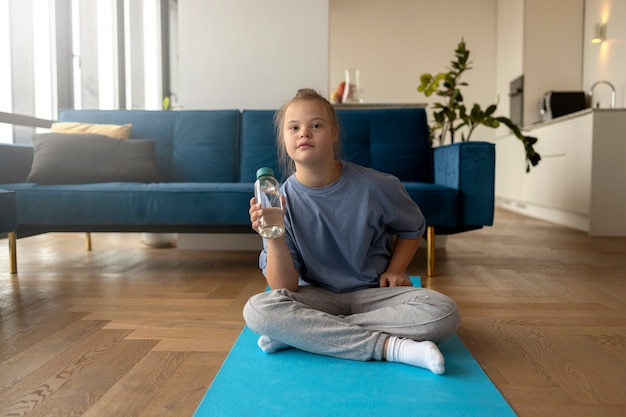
[[400, 259], [279, 270]]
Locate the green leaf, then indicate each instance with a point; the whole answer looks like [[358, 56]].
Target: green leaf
[[491, 122], [451, 116], [476, 112]]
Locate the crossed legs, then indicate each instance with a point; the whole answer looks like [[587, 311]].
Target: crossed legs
[[369, 324]]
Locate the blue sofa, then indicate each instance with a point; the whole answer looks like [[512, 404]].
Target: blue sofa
[[8, 212], [207, 159]]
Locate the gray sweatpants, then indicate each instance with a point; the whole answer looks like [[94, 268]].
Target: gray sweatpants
[[352, 325]]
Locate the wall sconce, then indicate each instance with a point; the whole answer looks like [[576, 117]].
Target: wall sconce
[[599, 34]]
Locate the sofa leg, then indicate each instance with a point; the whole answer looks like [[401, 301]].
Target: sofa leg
[[88, 241], [13, 252], [430, 251]]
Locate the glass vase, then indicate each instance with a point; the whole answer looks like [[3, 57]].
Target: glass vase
[[351, 89]]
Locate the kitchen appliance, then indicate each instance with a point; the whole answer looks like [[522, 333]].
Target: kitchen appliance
[[516, 100], [559, 103]]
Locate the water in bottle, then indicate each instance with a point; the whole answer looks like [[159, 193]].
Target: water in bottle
[[267, 193]]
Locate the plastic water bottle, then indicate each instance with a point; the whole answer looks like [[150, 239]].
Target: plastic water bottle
[[267, 193]]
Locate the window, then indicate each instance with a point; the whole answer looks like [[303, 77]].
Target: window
[[117, 50], [83, 54], [6, 130]]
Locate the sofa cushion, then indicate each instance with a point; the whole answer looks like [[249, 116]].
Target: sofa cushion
[[125, 204], [393, 140], [191, 145], [62, 158], [258, 144], [114, 131]]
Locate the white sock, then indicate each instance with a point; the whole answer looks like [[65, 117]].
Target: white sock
[[422, 354], [268, 345]]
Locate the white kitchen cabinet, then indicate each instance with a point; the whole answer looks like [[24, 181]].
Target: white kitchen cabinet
[[581, 179]]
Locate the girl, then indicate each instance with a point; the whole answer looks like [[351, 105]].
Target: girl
[[337, 279]]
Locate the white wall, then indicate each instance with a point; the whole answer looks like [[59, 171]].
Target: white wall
[[509, 50], [606, 61], [553, 50], [393, 42], [247, 53], [250, 53]]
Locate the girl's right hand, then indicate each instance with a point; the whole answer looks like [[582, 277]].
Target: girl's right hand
[[255, 214], [280, 271]]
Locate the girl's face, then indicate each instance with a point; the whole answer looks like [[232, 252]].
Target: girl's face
[[309, 136]]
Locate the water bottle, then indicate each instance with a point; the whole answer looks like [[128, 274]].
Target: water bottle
[[267, 193]]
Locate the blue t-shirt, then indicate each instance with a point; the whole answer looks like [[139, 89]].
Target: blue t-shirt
[[340, 236]]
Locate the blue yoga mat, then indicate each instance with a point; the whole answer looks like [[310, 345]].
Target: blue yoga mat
[[295, 383]]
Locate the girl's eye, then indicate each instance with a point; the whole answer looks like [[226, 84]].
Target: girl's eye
[[293, 128], [317, 125]]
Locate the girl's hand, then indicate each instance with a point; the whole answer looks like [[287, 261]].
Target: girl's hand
[[394, 279], [255, 214]]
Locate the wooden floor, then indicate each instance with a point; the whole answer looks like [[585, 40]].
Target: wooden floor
[[128, 330]]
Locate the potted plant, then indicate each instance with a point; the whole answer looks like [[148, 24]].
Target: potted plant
[[453, 116]]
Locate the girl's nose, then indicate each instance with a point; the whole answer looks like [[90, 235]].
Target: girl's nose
[[304, 133]]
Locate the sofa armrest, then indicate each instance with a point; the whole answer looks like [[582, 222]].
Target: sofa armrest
[[470, 168], [15, 162]]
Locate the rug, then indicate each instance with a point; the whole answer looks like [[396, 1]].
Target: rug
[[298, 384]]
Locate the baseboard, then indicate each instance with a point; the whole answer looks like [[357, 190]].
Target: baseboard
[[576, 221]]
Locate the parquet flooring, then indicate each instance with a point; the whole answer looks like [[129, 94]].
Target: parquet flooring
[[128, 330]]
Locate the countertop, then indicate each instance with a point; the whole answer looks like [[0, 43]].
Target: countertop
[[580, 113]]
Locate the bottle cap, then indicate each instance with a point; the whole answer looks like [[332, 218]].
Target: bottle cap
[[264, 172]]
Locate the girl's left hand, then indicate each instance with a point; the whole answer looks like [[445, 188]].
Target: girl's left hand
[[394, 279]]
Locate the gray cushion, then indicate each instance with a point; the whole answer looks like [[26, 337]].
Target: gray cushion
[[62, 158]]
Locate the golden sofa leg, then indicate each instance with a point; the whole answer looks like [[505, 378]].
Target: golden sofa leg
[[430, 236], [88, 241], [13, 252]]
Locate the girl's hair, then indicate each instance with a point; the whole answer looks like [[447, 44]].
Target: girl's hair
[[286, 164]]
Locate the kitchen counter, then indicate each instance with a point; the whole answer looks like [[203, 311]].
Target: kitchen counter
[[569, 116], [579, 180]]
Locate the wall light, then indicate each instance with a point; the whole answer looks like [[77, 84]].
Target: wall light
[[599, 34]]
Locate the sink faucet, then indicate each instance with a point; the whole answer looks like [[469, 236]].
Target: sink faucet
[[594, 85]]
